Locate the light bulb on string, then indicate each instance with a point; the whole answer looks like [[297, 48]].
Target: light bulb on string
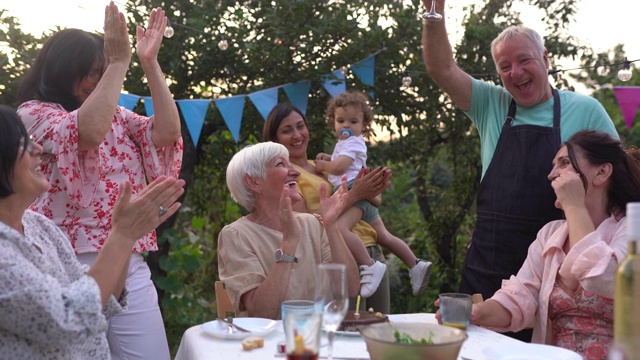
[[489, 79], [625, 72], [343, 70], [406, 78], [223, 44], [277, 41], [168, 31]]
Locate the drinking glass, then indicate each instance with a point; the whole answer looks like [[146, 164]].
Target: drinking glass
[[432, 15], [455, 309], [331, 293], [302, 334]]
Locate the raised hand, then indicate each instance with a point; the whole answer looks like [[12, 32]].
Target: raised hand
[[149, 40], [290, 227], [117, 47], [332, 207], [569, 189]]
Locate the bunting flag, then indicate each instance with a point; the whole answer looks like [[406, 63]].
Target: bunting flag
[[629, 100], [148, 105], [335, 83], [194, 112], [298, 94], [231, 110], [265, 100], [365, 69], [128, 101]]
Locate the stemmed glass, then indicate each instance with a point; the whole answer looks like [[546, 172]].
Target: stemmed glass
[[331, 294], [432, 15]]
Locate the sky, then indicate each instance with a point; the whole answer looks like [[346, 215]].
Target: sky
[[602, 26]]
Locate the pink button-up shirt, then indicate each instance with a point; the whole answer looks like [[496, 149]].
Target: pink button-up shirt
[[84, 184], [591, 264]]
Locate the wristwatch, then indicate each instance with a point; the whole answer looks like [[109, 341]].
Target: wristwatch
[[282, 257]]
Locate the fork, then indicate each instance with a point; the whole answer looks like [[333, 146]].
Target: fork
[[229, 322]]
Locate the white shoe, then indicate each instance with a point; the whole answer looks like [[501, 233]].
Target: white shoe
[[419, 275], [370, 278]]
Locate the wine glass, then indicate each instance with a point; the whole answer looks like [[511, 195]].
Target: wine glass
[[432, 15], [331, 293]]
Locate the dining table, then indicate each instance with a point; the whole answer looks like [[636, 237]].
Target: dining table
[[197, 344]]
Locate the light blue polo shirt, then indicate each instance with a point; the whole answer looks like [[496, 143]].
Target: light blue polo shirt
[[490, 105]]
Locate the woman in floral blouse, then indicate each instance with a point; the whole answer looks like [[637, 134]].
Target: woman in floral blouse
[[51, 306], [565, 287], [90, 145]]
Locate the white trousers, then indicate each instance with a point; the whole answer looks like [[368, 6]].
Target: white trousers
[[137, 333]]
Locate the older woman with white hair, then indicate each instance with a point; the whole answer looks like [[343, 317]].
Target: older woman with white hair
[[271, 254]]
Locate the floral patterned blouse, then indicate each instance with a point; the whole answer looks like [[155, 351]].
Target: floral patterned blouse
[[84, 184], [49, 307], [581, 320]]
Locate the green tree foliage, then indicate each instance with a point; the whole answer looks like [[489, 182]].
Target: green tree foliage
[[17, 51], [433, 148]]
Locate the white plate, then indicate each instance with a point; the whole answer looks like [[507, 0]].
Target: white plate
[[348, 333], [526, 351], [257, 326]]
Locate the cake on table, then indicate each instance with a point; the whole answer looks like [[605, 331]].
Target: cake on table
[[353, 323]]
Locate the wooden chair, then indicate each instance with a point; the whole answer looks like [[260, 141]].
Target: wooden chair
[[223, 302], [477, 298]]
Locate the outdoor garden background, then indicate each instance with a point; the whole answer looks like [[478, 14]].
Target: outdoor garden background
[[431, 147]]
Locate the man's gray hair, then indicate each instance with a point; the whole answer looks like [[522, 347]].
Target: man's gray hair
[[514, 32], [252, 161]]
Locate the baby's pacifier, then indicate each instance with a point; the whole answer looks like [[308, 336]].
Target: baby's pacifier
[[345, 133]]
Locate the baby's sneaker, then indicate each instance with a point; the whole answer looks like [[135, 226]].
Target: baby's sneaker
[[370, 278], [419, 275]]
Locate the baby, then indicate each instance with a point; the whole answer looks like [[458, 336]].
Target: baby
[[351, 117]]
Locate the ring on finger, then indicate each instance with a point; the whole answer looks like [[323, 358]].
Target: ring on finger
[[163, 210]]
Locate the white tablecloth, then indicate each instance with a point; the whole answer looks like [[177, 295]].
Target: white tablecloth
[[198, 345]]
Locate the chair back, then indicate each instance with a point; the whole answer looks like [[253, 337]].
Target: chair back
[[223, 302], [477, 298]]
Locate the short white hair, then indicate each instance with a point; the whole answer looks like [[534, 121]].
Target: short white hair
[[251, 161], [515, 32]]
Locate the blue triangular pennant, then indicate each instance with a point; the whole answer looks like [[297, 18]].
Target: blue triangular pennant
[[365, 69], [128, 101], [231, 109], [148, 105], [194, 112], [298, 94], [265, 100], [334, 83]]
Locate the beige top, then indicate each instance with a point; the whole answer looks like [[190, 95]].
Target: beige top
[[246, 253]]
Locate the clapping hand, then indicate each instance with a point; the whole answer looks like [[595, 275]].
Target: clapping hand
[[117, 47], [133, 218], [290, 227], [149, 40], [332, 207]]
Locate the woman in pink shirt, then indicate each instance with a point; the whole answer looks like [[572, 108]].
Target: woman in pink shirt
[[90, 145], [566, 286]]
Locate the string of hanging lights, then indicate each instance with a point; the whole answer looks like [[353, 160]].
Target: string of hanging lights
[[624, 74]]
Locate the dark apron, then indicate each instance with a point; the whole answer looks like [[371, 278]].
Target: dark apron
[[515, 200]]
